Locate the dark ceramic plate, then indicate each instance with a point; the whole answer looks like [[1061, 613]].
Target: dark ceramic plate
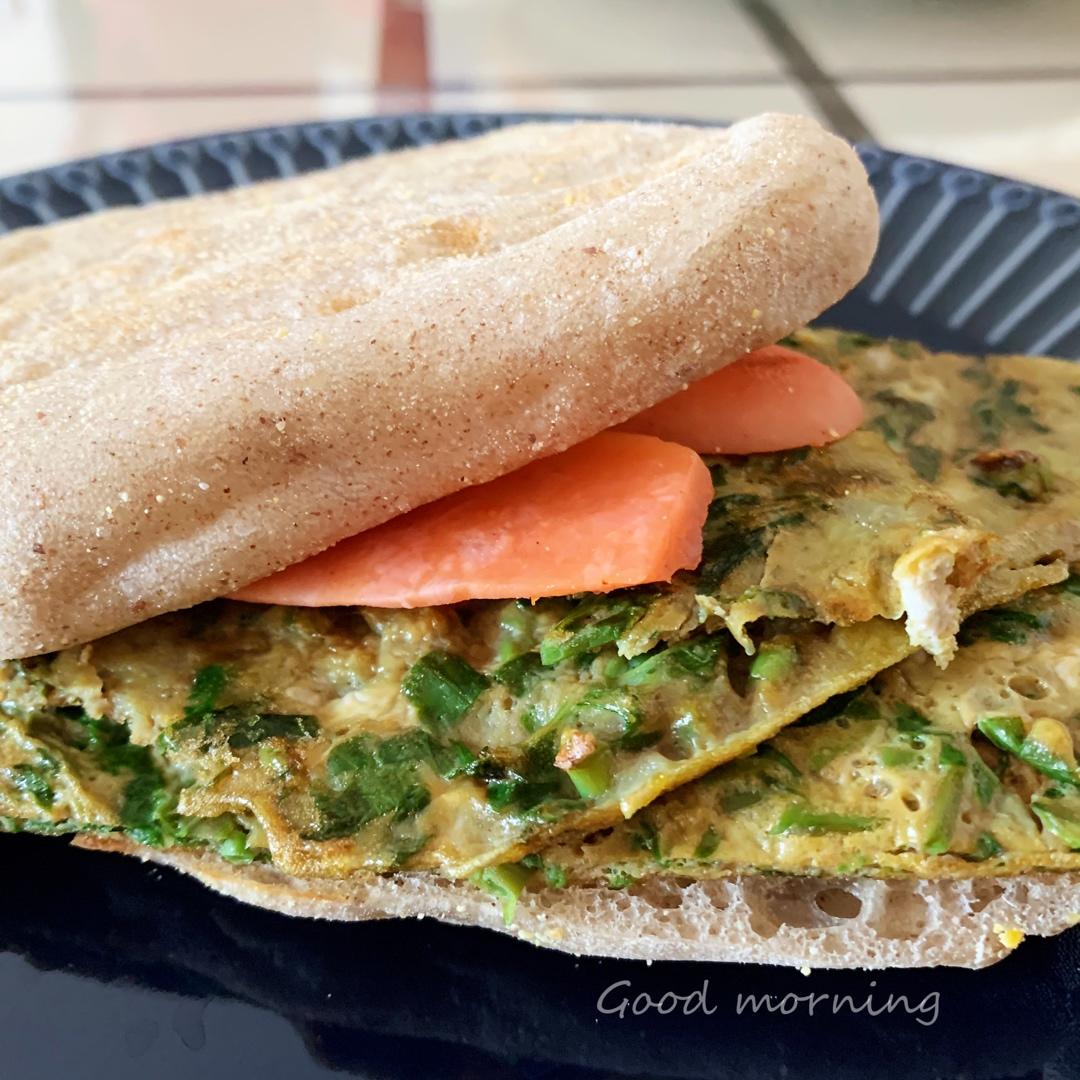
[[110, 968]]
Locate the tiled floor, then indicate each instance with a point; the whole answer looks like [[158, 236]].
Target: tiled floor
[[89, 46], [509, 42], [990, 83], [878, 39], [1034, 132]]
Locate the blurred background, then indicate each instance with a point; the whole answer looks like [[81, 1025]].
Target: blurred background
[[989, 83]]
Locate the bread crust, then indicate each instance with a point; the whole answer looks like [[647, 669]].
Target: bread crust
[[232, 385], [797, 922]]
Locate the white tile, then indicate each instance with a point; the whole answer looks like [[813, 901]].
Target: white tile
[[40, 133], [50, 45], [688, 102], [889, 36], [37, 134], [480, 42], [1026, 130]]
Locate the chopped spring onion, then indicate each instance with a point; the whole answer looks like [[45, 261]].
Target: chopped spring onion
[[443, 688], [773, 662], [1061, 823], [592, 777], [505, 882], [1007, 733], [944, 812], [801, 819]]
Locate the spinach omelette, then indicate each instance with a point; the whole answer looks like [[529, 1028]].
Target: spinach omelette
[[335, 741]]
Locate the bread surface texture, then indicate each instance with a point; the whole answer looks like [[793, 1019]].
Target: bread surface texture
[[198, 393], [797, 922]]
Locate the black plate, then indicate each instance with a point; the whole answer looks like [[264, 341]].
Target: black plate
[[115, 969]]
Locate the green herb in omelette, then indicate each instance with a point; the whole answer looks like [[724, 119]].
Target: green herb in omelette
[[206, 688], [773, 663], [1017, 474], [594, 623], [506, 883], [368, 779], [986, 847], [443, 687], [800, 819], [999, 412], [1008, 625], [697, 658], [708, 844], [33, 780], [1007, 733], [1063, 824], [519, 673], [592, 777], [944, 810]]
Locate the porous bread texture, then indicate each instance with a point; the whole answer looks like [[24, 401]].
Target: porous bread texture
[[195, 395], [797, 922]]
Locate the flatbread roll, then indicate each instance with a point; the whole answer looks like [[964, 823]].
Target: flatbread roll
[[212, 391]]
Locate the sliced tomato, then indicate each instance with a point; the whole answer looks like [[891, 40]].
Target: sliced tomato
[[617, 510], [771, 399]]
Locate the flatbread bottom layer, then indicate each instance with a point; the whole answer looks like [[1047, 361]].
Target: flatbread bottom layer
[[790, 921]]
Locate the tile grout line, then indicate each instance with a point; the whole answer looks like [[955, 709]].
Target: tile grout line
[[836, 110]]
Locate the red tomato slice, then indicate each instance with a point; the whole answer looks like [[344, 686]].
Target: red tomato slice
[[617, 510], [771, 399]]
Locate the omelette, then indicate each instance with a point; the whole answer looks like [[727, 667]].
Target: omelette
[[458, 738], [965, 772]]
